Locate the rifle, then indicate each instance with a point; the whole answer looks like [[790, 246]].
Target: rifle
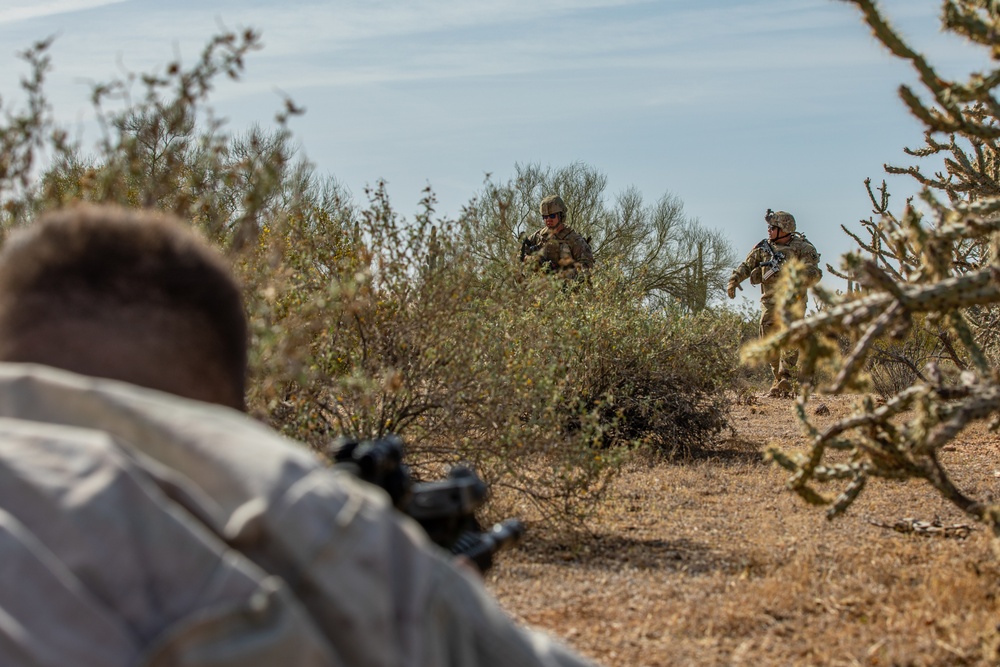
[[773, 265], [444, 508], [529, 248]]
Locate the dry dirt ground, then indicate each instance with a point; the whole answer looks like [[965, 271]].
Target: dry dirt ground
[[710, 561]]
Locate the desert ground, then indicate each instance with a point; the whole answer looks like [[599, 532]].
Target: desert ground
[[710, 561]]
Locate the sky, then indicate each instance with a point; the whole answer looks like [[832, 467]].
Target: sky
[[731, 106]]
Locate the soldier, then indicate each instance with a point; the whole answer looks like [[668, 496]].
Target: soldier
[[145, 519], [555, 246], [762, 266]]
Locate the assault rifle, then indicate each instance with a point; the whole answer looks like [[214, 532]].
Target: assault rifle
[[529, 248], [773, 265], [444, 508]]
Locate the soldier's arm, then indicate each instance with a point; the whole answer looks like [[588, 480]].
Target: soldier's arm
[[583, 254], [810, 257], [532, 241], [742, 272]]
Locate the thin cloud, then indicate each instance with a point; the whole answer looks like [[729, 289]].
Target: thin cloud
[[440, 41], [353, 43], [658, 45], [15, 11]]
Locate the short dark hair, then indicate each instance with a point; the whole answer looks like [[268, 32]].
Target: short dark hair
[[116, 266]]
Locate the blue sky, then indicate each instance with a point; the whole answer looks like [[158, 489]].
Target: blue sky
[[734, 107]]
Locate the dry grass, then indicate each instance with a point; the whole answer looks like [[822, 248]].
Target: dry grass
[[711, 562]]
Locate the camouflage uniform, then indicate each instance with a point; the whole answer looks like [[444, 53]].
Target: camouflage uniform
[[564, 251], [796, 245]]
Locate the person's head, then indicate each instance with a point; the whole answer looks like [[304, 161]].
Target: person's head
[[129, 295], [780, 224], [553, 211]]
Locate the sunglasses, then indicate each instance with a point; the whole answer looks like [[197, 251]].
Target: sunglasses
[[550, 216]]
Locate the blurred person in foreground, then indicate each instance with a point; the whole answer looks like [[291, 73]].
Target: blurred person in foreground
[[556, 247], [762, 266], [146, 520]]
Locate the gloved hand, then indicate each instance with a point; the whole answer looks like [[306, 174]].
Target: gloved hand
[[731, 287], [756, 276]]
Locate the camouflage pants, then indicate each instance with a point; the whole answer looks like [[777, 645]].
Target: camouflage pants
[[782, 362]]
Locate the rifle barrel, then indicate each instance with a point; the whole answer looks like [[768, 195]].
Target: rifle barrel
[[481, 547]]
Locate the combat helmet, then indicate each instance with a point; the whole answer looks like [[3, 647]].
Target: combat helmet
[[781, 219], [552, 204]]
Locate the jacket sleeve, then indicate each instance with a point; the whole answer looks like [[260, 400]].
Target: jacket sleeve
[[809, 256], [574, 256], [582, 253], [753, 259]]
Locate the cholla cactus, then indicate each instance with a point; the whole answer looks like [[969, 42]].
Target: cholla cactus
[[936, 269]]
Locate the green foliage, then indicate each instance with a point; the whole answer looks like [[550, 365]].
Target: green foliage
[[929, 295], [671, 257]]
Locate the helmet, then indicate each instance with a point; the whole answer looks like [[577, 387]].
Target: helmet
[[552, 204], [781, 219]]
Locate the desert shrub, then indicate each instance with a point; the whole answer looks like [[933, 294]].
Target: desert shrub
[[931, 270], [542, 386], [663, 371], [895, 364], [397, 334]]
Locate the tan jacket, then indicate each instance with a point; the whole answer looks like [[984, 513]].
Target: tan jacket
[[566, 251], [139, 528], [797, 246]]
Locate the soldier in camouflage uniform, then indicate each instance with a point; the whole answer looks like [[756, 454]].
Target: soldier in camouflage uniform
[[761, 266], [555, 246]]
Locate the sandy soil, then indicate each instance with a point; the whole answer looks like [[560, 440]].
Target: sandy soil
[[710, 561]]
